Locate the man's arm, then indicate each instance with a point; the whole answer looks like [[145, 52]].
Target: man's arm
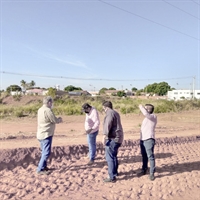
[[95, 118], [107, 124], [52, 118], [145, 112]]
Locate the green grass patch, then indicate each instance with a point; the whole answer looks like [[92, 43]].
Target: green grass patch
[[72, 106]]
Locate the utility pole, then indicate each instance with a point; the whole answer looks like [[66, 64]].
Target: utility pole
[[193, 96]]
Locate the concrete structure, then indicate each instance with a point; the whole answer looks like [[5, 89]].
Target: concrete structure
[[183, 94]]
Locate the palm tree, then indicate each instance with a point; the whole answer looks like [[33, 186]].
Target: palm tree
[[23, 83], [24, 86], [32, 83]]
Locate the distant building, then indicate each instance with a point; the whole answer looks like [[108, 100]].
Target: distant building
[[79, 93], [36, 92], [183, 94], [128, 93], [13, 93], [61, 93], [94, 93]]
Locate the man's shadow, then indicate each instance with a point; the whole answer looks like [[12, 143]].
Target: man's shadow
[[177, 168], [100, 162]]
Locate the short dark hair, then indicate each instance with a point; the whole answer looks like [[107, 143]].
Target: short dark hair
[[150, 108], [86, 106], [108, 104]]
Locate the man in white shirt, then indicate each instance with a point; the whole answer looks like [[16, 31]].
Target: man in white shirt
[[147, 139], [92, 123]]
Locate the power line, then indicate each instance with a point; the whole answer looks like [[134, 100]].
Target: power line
[[147, 19], [195, 2], [180, 9], [93, 79]]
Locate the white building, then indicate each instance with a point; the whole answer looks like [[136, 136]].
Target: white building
[[183, 94], [94, 93]]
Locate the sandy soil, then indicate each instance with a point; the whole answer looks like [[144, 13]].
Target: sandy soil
[[177, 153]]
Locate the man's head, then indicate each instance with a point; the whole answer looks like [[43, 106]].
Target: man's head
[[107, 104], [48, 101], [149, 108], [86, 107]]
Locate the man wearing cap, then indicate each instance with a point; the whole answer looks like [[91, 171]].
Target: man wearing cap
[[112, 138], [45, 131], [92, 123]]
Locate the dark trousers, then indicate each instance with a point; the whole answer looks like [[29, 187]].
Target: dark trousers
[[111, 151], [147, 151]]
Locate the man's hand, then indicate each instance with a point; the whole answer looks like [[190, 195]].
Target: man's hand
[[60, 120], [104, 139], [89, 131]]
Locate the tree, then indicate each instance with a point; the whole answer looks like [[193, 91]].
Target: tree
[[32, 83], [26, 85], [51, 92], [134, 89], [70, 88], [13, 88], [158, 88], [102, 90], [138, 92], [23, 83], [162, 88], [112, 88], [121, 94]]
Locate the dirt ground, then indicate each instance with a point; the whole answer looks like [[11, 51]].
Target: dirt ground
[[177, 154]]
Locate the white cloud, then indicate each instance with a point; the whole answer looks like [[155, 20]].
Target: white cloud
[[69, 61]]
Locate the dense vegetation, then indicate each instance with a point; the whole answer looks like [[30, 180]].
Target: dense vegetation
[[72, 105]]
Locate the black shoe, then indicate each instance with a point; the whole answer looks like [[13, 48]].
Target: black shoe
[[46, 169], [151, 177], [108, 180], [43, 172], [90, 162], [117, 174], [142, 173]]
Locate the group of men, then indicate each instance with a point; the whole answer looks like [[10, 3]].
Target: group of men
[[113, 136]]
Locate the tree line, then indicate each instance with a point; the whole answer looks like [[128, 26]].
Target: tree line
[[156, 88]]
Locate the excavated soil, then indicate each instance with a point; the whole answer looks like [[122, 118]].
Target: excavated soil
[[177, 153]]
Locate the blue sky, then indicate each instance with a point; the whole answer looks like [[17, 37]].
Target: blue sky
[[121, 44]]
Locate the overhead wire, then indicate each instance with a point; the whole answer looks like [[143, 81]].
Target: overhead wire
[[93, 79], [181, 9], [195, 2], [147, 19]]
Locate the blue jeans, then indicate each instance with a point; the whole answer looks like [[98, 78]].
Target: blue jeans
[[45, 146], [147, 151], [111, 151], [91, 138]]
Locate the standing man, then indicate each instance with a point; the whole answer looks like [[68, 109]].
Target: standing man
[[92, 123], [112, 138], [147, 139], [45, 132]]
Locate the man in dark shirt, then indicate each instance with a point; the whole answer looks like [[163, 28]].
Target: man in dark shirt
[[112, 138]]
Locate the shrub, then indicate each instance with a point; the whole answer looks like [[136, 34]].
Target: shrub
[[72, 105], [18, 113]]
